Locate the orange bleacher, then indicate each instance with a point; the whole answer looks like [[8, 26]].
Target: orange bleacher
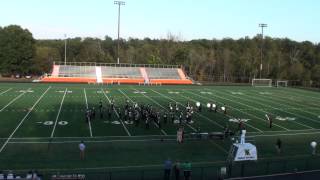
[[116, 74]]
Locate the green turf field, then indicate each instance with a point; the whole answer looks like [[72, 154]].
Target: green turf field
[[41, 125]]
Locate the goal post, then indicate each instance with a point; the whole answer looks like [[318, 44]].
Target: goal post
[[282, 83], [261, 82]]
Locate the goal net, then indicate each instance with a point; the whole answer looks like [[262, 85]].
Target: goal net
[[262, 82], [282, 83]]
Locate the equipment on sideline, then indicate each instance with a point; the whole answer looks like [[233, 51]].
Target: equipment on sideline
[[243, 151]]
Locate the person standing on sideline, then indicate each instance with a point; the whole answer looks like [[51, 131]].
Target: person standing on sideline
[[82, 148], [278, 145], [167, 169], [177, 168], [187, 170]]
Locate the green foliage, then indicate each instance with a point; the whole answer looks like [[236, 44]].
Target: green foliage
[[223, 60], [17, 50]]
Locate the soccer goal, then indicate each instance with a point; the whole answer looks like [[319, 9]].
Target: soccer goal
[[282, 83], [262, 82]]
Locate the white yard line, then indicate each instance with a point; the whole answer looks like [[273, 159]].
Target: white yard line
[[263, 120], [294, 132], [274, 102], [165, 109], [55, 123], [123, 125], [89, 122], [5, 91], [13, 100], [272, 108], [259, 130], [95, 137], [24, 118], [143, 140], [293, 106], [191, 127], [227, 114], [313, 96], [286, 96], [163, 132], [184, 106]]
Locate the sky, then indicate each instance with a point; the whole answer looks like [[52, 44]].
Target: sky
[[189, 19]]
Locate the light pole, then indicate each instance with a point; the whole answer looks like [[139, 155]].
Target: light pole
[[65, 49], [262, 26], [119, 3]]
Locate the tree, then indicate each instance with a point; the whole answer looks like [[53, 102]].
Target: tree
[[17, 50], [219, 60]]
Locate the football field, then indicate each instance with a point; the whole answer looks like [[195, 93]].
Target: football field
[[41, 125]]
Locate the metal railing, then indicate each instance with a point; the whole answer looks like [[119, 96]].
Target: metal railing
[[209, 171], [115, 64]]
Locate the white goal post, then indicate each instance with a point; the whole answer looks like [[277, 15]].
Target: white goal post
[[282, 83], [261, 82]]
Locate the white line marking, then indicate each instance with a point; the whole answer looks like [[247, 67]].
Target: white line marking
[[276, 175], [249, 113], [91, 141], [293, 106], [218, 146], [227, 114], [5, 91], [116, 167], [157, 104], [294, 97], [89, 122], [191, 127], [124, 126], [275, 133], [285, 134], [24, 118], [304, 117], [55, 123], [195, 112], [312, 96], [270, 107], [163, 132], [13, 100]]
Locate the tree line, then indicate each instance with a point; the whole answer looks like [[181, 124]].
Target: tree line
[[203, 59]]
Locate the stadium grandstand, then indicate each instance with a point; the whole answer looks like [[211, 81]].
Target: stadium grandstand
[[105, 73]]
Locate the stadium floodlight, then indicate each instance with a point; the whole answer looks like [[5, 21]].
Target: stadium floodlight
[[262, 25], [119, 3], [65, 49], [198, 104]]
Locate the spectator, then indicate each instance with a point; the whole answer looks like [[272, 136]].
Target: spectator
[[29, 175], [167, 169], [187, 170], [10, 175], [1, 175], [278, 145], [82, 148], [177, 168]]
